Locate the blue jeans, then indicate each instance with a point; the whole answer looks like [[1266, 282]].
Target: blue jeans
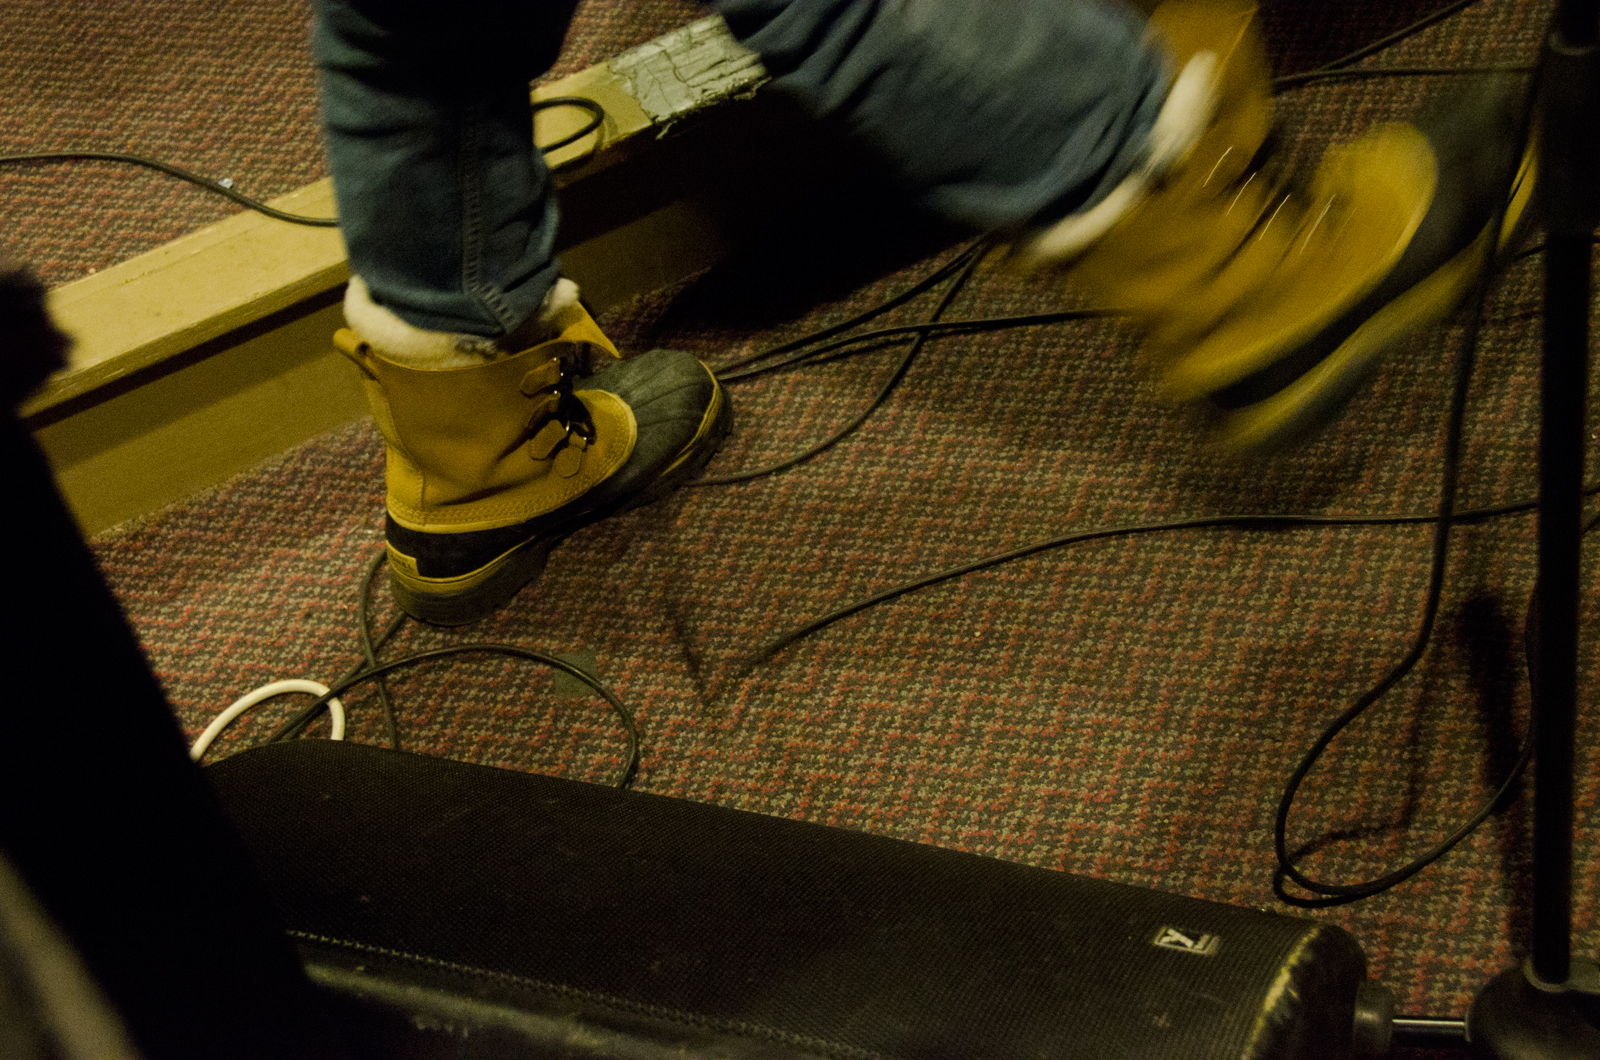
[[994, 113]]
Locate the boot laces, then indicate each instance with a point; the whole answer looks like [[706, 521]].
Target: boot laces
[[571, 413]]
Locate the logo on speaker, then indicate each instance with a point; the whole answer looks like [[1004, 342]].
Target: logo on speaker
[[1171, 938]]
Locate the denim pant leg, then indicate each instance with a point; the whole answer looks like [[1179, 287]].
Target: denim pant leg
[[444, 203], [994, 113]]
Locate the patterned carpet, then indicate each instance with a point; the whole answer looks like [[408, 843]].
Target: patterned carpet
[[1126, 708]]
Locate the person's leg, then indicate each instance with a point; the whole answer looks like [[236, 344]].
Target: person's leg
[[476, 358], [998, 114], [1137, 154], [444, 204]]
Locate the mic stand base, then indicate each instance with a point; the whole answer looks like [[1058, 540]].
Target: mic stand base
[[1516, 1019]]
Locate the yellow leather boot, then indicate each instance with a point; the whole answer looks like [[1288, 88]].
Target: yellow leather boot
[[1265, 298], [495, 457]]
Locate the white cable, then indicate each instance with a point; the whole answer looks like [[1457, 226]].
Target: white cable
[[265, 692]]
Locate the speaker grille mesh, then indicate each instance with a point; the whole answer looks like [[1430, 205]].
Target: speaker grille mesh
[[849, 943]]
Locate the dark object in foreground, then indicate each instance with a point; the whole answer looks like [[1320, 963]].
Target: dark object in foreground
[[30, 345], [460, 910]]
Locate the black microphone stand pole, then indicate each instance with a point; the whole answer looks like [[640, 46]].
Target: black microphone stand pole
[[1550, 1007]]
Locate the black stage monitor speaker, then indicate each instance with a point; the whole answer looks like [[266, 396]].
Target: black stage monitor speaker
[[463, 911]]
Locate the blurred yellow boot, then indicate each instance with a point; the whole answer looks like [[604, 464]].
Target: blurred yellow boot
[[1267, 298]]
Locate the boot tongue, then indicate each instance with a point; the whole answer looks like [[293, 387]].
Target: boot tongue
[[567, 323]]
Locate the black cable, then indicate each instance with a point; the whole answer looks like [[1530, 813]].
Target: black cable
[[1396, 37], [949, 268], [597, 118], [1243, 521], [172, 171], [933, 329], [973, 258], [1442, 519], [1333, 893], [630, 766], [302, 719], [962, 267], [1288, 81], [1341, 893], [52, 157]]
